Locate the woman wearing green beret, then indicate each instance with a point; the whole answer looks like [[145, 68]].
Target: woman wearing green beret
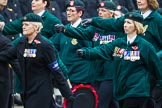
[[135, 59], [38, 7], [38, 64], [152, 23], [79, 70]]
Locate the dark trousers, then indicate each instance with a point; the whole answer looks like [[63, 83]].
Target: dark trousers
[[4, 95], [157, 96], [136, 102], [105, 92]]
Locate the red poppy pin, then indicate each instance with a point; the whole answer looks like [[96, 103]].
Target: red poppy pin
[[134, 47], [102, 4], [37, 41]]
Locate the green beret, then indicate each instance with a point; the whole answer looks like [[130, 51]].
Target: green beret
[[134, 16], [31, 17], [75, 3], [1, 18], [108, 5]]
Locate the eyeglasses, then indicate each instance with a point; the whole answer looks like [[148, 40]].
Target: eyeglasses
[[102, 10], [70, 10]]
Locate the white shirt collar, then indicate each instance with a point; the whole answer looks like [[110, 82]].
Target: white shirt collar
[[146, 14], [131, 40], [76, 23], [41, 13]]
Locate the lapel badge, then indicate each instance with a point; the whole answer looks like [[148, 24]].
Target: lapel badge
[[74, 41], [37, 41], [134, 47], [96, 36]]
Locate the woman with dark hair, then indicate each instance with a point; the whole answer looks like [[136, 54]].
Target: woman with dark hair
[[103, 69]]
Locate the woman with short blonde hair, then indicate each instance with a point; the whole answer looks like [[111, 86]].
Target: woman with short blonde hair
[[139, 27], [38, 64], [134, 61], [38, 26]]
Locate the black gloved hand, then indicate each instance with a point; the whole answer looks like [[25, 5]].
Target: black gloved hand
[[71, 98], [59, 28], [157, 93], [79, 52], [86, 22]]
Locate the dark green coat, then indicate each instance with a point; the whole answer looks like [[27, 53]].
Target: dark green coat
[[153, 33], [104, 69], [80, 70], [131, 75]]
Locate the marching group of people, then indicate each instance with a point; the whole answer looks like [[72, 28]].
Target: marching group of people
[[115, 53]]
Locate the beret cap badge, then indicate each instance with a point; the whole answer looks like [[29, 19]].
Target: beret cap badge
[[102, 4], [71, 3], [118, 7], [25, 18], [130, 15]]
